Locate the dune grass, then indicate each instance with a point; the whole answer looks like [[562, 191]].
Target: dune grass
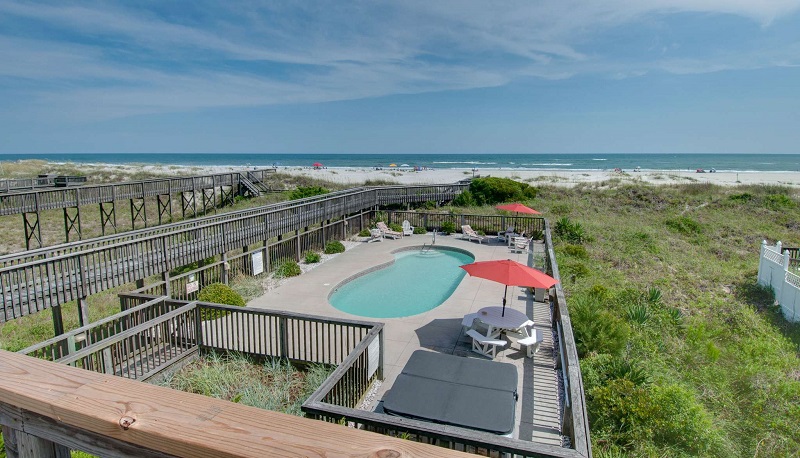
[[682, 353], [272, 385]]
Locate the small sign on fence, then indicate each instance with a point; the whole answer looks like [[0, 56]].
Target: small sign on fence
[[192, 286], [258, 262]]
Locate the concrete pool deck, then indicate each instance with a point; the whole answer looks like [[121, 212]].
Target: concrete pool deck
[[439, 329]]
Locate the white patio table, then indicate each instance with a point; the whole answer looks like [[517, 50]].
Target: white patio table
[[513, 320]]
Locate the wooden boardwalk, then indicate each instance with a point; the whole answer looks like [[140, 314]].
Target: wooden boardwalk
[[34, 280]]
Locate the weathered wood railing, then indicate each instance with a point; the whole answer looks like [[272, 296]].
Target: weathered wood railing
[[60, 276], [489, 224], [47, 407], [14, 203], [16, 184]]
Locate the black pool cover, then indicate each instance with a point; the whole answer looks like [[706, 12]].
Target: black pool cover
[[453, 390]]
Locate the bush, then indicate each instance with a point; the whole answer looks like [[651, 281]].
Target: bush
[[313, 257], [778, 202], [465, 199], [448, 227], [334, 246], [596, 330], [576, 251], [364, 233], [420, 230], [288, 269], [219, 293], [569, 231], [684, 225], [307, 191], [396, 227], [493, 190]]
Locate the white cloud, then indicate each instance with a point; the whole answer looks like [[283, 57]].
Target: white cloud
[[114, 61]]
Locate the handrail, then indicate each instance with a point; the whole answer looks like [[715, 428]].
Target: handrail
[[113, 416]]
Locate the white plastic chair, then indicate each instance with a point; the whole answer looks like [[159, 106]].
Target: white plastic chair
[[408, 229]]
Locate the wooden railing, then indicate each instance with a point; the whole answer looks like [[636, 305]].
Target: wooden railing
[[48, 408], [13, 203], [32, 282], [15, 184]]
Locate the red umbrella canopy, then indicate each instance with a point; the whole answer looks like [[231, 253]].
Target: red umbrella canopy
[[317, 164], [519, 208], [510, 273]]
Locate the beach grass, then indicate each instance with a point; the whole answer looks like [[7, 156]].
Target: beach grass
[[272, 385], [710, 367]]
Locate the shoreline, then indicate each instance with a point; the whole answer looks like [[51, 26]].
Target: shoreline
[[406, 176]]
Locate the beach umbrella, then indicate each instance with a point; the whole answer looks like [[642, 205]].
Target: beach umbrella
[[317, 164], [404, 165], [517, 207], [392, 165], [510, 273]]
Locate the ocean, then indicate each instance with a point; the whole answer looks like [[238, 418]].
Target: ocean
[[575, 162]]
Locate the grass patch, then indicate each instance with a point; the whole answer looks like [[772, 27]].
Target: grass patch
[[273, 385]]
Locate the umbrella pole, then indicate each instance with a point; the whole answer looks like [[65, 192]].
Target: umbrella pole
[[505, 293]]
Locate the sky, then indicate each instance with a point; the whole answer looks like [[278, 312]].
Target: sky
[[460, 76]]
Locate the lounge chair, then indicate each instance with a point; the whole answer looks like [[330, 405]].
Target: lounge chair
[[470, 234], [375, 236], [388, 232], [505, 235], [520, 244], [408, 229]]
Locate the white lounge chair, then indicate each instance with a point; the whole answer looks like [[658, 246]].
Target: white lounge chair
[[470, 234], [375, 236], [520, 244], [483, 345], [408, 229], [506, 235], [388, 232]]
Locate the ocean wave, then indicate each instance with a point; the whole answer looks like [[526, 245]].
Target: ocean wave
[[465, 162], [549, 164], [599, 159]]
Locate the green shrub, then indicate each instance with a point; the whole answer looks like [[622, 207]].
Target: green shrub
[[465, 199], [288, 269], [334, 246], [307, 191], [638, 313], [778, 202], [364, 233], [396, 227], [219, 293], [684, 225], [448, 227], [420, 230], [494, 190], [654, 295], [570, 231], [576, 251], [428, 205], [596, 329], [743, 197], [314, 257]]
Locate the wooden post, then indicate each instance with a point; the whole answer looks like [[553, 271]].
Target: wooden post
[[167, 286], [10, 439], [29, 446], [297, 239]]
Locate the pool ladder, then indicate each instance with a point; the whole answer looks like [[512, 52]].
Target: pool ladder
[[425, 245]]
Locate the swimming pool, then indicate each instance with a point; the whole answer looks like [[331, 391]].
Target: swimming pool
[[416, 282]]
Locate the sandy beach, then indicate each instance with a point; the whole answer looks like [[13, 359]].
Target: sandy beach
[[359, 175], [553, 177]]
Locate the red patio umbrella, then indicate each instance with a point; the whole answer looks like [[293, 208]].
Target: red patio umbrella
[[509, 273], [519, 208], [317, 165]]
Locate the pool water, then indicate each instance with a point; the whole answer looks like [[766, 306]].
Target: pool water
[[416, 282]]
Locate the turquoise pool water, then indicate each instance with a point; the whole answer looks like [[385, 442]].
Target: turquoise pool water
[[415, 283]]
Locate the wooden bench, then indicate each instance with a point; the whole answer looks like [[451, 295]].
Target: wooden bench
[[532, 342], [483, 345]]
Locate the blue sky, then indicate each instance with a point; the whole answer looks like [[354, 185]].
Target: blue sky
[[534, 76]]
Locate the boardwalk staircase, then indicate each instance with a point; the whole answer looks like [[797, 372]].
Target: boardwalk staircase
[[251, 187]]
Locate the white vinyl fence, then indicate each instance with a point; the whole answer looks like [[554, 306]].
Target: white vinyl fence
[[773, 270]]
